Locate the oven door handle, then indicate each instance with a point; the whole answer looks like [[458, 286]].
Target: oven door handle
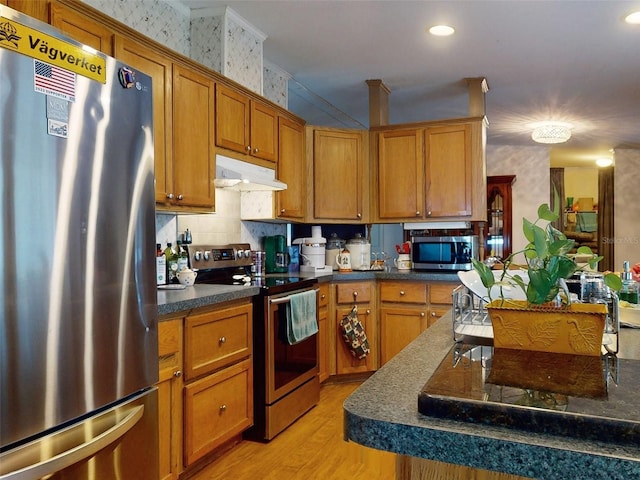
[[287, 299]]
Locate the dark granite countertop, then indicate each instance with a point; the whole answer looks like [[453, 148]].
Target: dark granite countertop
[[201, 295], [383, 414]]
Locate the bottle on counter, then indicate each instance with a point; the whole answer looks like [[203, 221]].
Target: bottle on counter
[[183, 257], [161, 266], [172, 263], [630, 288]]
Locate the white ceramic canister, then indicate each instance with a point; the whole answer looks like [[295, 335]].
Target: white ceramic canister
[[360, 250]]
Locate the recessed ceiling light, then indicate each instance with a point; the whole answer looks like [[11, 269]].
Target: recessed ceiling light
[[604, 162], [441, 30], [633, 18]]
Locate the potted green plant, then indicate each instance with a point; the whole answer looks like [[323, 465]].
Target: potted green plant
[[546, 321], [547, 262]]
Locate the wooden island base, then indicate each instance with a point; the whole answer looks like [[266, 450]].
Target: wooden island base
[[412, 468]]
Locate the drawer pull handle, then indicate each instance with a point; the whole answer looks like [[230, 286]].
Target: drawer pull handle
[[222, 340], [401, 292], [355, 294], [422, 314], [433, 314], [368, 312], [177, 374], [323, 296], [223, 408]]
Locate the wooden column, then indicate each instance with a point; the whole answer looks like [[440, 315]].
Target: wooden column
[[378, 103], [477, 88]]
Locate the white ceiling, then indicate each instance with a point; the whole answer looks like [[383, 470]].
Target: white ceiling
[[574, 61]]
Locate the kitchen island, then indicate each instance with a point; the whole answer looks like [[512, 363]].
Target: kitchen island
[[383, 414]]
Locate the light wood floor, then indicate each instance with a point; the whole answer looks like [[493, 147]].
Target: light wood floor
[[311, 448]]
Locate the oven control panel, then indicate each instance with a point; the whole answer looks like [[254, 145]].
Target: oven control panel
[[219, 256]]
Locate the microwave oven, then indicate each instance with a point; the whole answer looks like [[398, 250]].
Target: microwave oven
[[444, 253]]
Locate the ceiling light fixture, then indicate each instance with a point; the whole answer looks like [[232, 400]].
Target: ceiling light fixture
[[551, 132], [441, 30], [633, 18], [604, 162]]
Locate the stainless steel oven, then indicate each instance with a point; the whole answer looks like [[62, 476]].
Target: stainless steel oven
[[285, 377], [286, 383]]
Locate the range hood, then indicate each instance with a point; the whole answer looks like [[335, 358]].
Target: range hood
[[244, 176]]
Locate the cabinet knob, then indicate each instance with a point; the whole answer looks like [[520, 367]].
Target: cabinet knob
[[248, 148], [355, 294], [177, 373], [323, 296], [368, 312], [429, 213], [222, 340], [422, 314], [359, 215], [223, 408], [417, 213], [433, 314], [255, 150], [170, 196], [282, 211], [180, 197], [401, 292]]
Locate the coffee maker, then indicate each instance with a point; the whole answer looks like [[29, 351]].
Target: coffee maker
[[276, 254]]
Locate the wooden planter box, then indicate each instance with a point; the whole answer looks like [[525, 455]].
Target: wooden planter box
[[576, 329]]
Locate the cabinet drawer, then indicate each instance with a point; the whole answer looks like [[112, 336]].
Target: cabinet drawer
[[353, 292], [403, 292], [323, 295], [441, 292], [217, 407], [216, 339]]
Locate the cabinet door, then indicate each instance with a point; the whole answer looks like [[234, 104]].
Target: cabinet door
[[193, 138], [448, 171], [399, 326], [345, 361], [232, 119], [323, 332], [401, 174], [217, 407], [170, 398], [264, 132], [291, 170], [35, 9], [338, 175], [159, 68], [81, 28]]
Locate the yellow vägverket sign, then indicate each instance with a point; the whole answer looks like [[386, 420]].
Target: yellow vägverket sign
[[36, 44]]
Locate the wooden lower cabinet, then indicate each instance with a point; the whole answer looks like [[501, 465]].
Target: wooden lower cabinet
[[440, 300], [217, 407], [323, 332], [408, 308], [347, 295], [170, 398], [218, 365]]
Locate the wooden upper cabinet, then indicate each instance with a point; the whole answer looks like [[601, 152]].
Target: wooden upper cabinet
[[160, 69], [448, 171], [246, 126], [193, 138], [290, 203], [81, 28], [339, 177], [432, 171], [35, 9], [400, 174]]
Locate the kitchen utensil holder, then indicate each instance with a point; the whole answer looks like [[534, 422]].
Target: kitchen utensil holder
[[471, 319]]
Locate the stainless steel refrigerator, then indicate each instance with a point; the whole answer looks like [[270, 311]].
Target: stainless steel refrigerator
[[78, 334]]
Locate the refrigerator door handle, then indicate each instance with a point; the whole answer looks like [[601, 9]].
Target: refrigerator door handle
[[26, 462]]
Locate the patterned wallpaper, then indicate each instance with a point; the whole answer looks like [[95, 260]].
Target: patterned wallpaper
[[275, 84], [165, 22], [626, 178], [243, 53], [530, 165], [206, 41]]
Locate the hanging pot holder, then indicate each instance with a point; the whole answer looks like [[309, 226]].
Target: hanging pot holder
[[354, 334]]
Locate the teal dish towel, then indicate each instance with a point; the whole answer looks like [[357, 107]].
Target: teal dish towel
[[587, 222], [301, 316]]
